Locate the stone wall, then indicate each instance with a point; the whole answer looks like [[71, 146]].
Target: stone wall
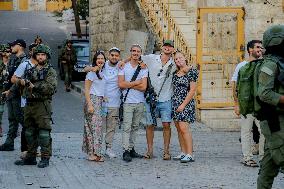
[[110, 20]]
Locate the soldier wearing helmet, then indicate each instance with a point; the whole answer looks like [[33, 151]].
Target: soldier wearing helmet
[[68, 58], [271, 95], [39, 86]]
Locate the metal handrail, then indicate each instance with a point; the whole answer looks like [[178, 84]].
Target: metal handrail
[[164, 26]]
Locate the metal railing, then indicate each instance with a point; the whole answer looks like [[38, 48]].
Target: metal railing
[[157, 12]]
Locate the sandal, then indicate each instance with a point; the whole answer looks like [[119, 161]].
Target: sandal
[[148, 155], [249, 163], [96, 158], [166, 156]]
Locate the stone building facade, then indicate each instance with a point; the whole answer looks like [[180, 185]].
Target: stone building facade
[[110, 20]]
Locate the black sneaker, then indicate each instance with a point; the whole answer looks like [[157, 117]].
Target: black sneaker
[[44, 162], [27, 161], [126, 156], [134, 154], [5, 147]]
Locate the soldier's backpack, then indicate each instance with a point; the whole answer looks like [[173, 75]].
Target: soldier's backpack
[[247, 85]]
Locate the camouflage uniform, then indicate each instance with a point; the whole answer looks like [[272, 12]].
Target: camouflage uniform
[[3, 80], [68, 58], [270, 90], [38, 110], [15, 113]]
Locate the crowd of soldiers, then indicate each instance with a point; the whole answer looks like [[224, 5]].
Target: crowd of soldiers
[[27, 85]]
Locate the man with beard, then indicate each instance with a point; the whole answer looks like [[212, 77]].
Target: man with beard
[[271, 96], [254, 49], [38, 90], [15, 114], [21, 72], [68, 59], [112, 97]]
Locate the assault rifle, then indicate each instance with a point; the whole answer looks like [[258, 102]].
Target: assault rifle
[[151, 99]]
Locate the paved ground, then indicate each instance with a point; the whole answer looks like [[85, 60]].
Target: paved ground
[[217, 166]]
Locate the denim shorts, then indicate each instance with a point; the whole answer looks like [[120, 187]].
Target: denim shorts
[[163, 110]]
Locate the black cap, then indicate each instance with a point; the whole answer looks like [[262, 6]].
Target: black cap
[[20, 42]]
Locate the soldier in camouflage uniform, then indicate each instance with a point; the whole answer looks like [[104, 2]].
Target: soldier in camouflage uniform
[[40, 84], [68, 58], [15, 113], [271, 115], [5, 53]]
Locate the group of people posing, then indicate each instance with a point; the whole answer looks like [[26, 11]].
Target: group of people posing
[[114, 87], [27, 84]]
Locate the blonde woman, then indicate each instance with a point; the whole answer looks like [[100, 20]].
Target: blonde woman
[[184, 84], [94, 94]]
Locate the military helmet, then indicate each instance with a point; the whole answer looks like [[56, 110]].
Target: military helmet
[[41, 48], [274, 35], [4, 47]]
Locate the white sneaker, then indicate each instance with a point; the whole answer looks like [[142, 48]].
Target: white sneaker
[[179, 157], [187, 158], [110, 153]]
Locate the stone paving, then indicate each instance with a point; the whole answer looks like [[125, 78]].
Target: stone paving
[[217, 165]]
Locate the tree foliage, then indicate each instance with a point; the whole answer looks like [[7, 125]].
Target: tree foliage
[[83, 8]]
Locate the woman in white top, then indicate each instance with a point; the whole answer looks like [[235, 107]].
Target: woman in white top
[[94, 94]]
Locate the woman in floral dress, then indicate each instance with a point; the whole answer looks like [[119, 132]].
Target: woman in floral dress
[[94, 94], [184, 82]]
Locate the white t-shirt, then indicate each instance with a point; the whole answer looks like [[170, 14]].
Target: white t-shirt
[[134, 96], [237, 69], [154, 64], [20, 71], [112, 91], [98, 85]]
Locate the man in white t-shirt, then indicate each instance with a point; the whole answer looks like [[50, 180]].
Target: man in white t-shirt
[[133, 107], [161, 68], [112, 97], [18, 74], [254, 49]]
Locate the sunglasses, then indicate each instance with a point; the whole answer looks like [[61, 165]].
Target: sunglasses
[[160, 72]]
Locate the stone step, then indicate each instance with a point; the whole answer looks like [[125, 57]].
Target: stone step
[[222, 119], [181, 12], [175, 6]]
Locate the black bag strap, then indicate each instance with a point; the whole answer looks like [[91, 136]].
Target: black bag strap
[[167, 75], [134, 77]]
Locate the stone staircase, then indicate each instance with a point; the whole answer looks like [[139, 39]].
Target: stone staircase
[[216, 85]]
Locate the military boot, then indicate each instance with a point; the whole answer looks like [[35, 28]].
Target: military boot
[[134, 154], [26, 161], [126, 156], [6, 147], [44, 162]]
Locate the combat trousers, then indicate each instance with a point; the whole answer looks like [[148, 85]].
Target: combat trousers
[[132, 114], [67, 73], [15, 117], [38, 127], [111, 124], [273, 158], [246, 137]]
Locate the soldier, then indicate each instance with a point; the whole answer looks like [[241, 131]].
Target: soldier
[[271, 95], [68, 59], [5, 53], [40, 84], [15, 114]]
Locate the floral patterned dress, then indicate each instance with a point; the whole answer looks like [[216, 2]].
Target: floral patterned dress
[[93, 134], [181, 85]]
